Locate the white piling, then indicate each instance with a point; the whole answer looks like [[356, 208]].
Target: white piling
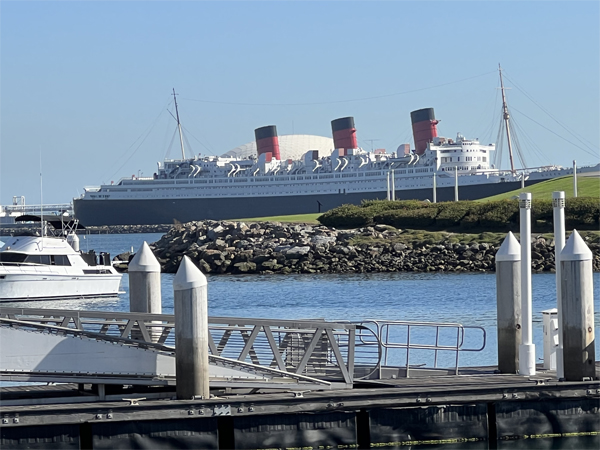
[[191, 331], [393, 186], [508, 302], [527, 348], [574, 178], [577, 296], [558, 203], [144, 282], [144, 286], [434, 187], [456, 185]]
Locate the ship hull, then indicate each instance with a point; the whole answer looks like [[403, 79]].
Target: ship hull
[[169, 211]]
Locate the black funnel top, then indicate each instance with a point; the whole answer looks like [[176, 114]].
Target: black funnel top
[[422, 115], [344, 123], [265, 132]]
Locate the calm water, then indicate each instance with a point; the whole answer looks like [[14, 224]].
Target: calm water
[[469, 299]]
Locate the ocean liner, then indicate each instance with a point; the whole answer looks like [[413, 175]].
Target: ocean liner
[[229, 187]]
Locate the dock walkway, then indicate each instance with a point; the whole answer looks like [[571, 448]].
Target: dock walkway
[[478, 409]]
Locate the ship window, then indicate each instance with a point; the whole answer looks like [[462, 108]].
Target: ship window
[[12, 257], [60, 260], [96, 271], [38, 259]]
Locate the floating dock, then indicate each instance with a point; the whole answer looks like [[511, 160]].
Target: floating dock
[[274, 384], [476, 409]]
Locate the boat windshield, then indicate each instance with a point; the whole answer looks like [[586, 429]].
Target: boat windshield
[[16, 258], [10, 257]]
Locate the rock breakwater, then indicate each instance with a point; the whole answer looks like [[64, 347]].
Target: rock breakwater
[[237, 248]]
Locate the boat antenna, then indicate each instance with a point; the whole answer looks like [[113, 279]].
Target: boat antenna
[[506, 117], [179, 125], [41, 202]]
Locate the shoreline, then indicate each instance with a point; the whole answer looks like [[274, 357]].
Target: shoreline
[[225, 247], [222, 247]]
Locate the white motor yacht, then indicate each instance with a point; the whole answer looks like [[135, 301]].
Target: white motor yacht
[[51, 267]]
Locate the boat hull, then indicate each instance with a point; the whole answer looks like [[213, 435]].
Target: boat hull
[[44, 286], [100, 212]]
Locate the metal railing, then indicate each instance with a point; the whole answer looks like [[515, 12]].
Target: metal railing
[[241, 366], [35, 209], [388, 335], [314, 348]]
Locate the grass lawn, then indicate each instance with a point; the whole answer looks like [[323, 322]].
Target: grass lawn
[[296, 218], [586, 187]]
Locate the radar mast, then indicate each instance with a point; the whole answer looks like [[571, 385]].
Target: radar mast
[[506, 117], [179, 125]]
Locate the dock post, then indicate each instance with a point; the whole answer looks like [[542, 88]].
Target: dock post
[[144, 285], [577, 298], [508, 301], [558, 204], [191, 331], [527, 348]]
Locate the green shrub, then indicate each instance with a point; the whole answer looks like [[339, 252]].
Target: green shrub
[[582, 212], [470, 221], [450, 214], [407, 218], [501, 215], [542, 210], [378, 206], [347, 216]]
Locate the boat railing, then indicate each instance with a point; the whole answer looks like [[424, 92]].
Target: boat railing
[[419, 344]]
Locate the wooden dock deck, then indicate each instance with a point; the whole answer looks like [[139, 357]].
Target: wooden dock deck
[[476, 409]]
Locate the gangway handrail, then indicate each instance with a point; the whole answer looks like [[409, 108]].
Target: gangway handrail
[[300, 346], [214, 359], [382, 332], [90, 334], [169, 317]]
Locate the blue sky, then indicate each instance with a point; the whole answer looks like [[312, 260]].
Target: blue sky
[[82, 83]]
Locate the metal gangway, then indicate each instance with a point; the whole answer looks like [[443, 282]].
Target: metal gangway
[[139, 349]]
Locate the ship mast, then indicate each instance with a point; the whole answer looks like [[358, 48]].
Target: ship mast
[[506, 117], [179, 126]]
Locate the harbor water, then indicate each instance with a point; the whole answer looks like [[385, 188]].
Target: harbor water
[[466, 298]]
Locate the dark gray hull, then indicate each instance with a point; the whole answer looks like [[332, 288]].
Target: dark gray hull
[[168, 211]]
